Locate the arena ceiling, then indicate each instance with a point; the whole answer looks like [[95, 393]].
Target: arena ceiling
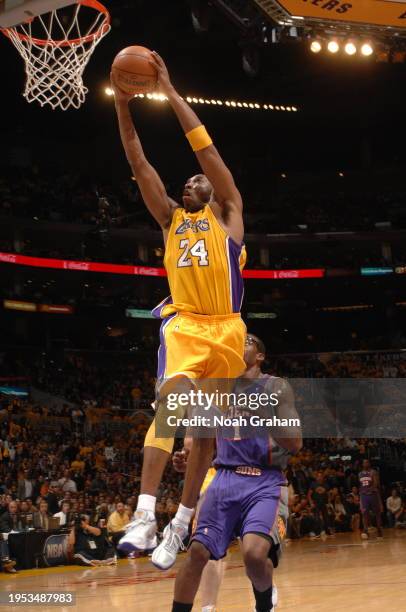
[[336, 94]]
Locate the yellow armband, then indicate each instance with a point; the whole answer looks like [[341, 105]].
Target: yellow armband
[[199, 138]]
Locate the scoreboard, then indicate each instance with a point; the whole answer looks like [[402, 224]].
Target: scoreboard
[[369, 14]]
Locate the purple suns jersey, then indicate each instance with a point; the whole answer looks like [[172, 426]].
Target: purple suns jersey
[[366, 482], [234, 450]]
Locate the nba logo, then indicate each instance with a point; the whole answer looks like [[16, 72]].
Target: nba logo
[[206, 531]]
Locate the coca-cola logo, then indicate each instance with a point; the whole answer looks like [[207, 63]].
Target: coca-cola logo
[[75, 265], [146, 271], [8, 258], [287, 274]]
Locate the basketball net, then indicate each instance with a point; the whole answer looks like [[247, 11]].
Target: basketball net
[[56, 49]]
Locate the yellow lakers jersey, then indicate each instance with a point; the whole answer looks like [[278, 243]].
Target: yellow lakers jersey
[[204, 266]]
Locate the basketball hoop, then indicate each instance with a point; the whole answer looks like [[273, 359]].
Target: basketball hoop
[[56, 48]]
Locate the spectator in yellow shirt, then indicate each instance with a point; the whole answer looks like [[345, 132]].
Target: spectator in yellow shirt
[[117, 522], [78, 465], [85, 450]]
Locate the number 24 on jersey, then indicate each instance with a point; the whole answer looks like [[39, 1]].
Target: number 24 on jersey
[[198, 250]]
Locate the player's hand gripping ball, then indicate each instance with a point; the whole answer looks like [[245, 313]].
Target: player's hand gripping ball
[[134, 71]]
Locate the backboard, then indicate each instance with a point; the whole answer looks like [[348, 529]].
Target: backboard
[[13, 12]]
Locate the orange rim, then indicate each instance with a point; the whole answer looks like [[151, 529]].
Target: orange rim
[[105, 25]]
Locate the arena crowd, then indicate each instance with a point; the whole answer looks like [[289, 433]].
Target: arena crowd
[[80, 459], [331, 203]]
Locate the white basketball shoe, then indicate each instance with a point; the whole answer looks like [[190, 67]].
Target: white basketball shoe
[[140, 533], [164, 556]]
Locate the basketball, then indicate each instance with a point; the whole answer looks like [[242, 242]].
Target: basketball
[[133, 72]]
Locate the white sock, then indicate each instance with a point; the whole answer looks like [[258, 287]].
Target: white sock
[[183, 516], [208, 609], [146, 502]]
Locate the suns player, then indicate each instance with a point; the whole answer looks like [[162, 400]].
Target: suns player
[[202, 334], [248, 495], [370, 498], [213, 572]]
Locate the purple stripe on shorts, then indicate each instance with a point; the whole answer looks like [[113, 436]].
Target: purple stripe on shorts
[[237, 283], [162, 348], [157, 311]]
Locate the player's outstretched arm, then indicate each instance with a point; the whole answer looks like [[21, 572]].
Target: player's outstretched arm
[[150, 184], [209, 158]]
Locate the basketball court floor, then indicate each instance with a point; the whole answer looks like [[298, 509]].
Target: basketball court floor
[[341, 573]]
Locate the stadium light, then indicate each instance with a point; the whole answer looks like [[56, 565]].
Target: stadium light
[[315, 46], [367, 49], [333, 46], [159, 97], [350, 48]]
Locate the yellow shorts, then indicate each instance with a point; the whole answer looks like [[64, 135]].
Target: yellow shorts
[[198, 347], [201, 346]]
